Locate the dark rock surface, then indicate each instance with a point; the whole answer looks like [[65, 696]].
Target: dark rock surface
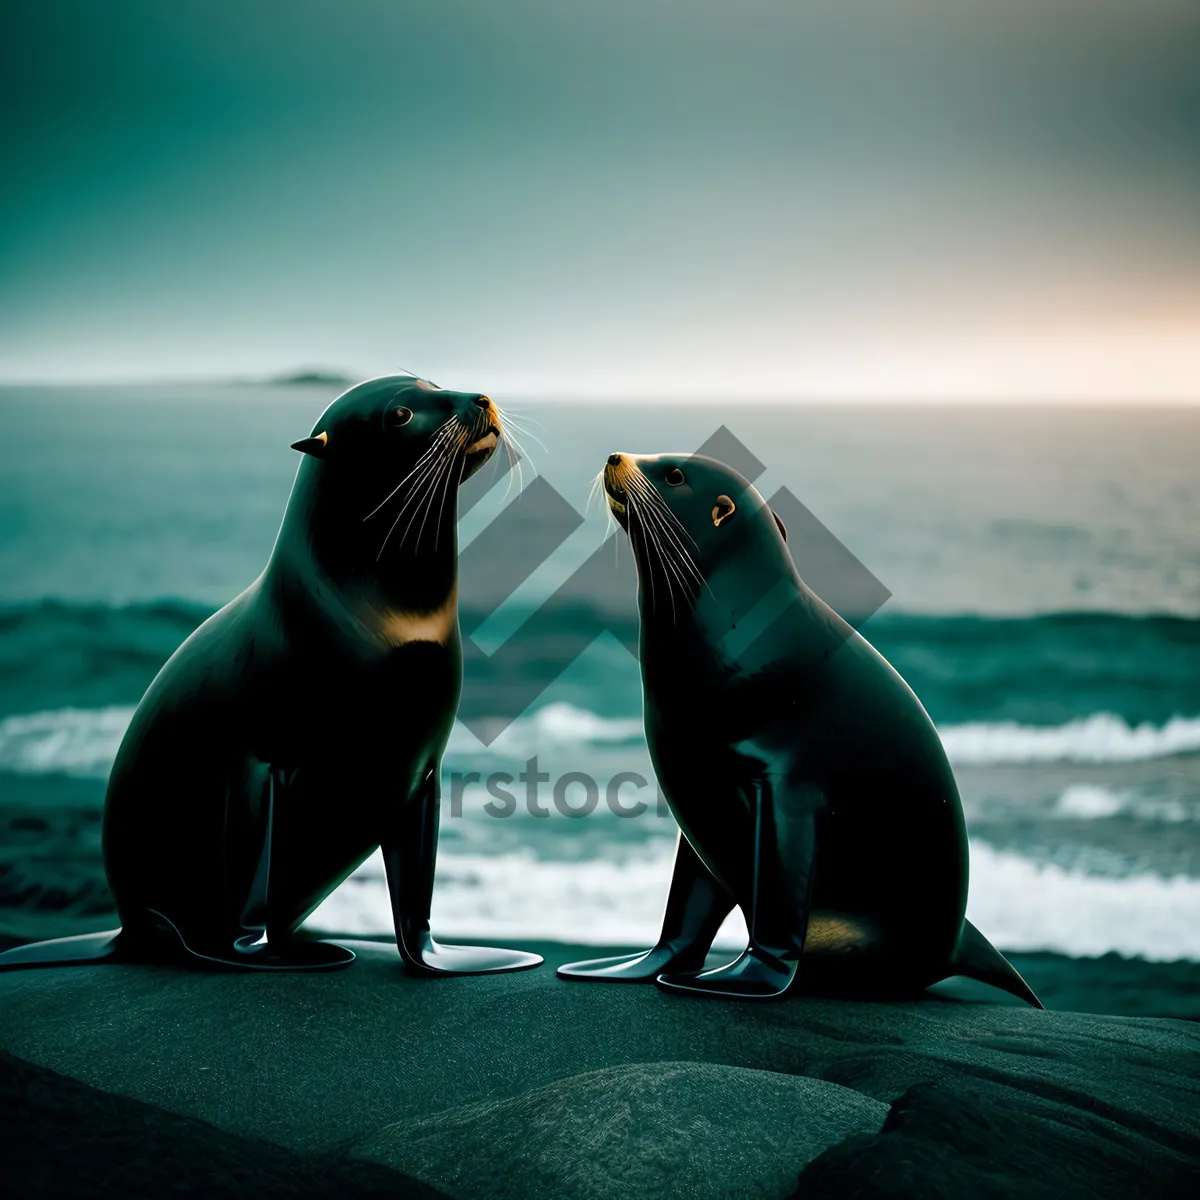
[[525, 1085], [644, 1129], [942, 1145], [63, 1139]]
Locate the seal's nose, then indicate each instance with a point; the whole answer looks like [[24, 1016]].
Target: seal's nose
[[614, 460], [483, 401]]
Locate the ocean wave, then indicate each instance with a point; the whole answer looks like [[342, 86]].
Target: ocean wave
[[1091, 802], [1045, 670], [1034, 670], [83, 741], [151, 626], [1100, 738], [1019, 904], [54, 653], [554, 726], [1023, 905]]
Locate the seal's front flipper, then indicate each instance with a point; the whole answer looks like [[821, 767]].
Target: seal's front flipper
[[434, 958], [755, 974], [409, 856], [696, 906], [84, 949], [776, 908], [977, 958]]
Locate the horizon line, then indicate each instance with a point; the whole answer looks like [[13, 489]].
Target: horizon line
[[675, 394]]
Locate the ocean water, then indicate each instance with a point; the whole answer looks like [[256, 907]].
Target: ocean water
[[1044, 571]]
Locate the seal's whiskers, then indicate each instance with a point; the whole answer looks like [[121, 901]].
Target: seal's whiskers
[[674, 526], [518, 423], [433, 487], [595, 491], [652, 527], [447, 476], [513, 448], [635, 523], [439, 434], [680, 560], [415, 495], [671, 572], [423, 485], [661, 557]]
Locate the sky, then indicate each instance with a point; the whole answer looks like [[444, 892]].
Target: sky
[[944, 199]]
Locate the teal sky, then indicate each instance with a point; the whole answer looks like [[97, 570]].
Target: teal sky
[[839, 200]]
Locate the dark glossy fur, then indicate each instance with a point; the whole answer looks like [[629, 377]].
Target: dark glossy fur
[[303, 725], [809, 783]]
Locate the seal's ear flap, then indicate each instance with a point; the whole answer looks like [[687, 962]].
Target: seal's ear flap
[[723, 509], [312, 445], [782, 526]]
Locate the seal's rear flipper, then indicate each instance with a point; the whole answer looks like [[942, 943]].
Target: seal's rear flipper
[[245, 940], [64, 952], [290, 954], [977, 958], [253, 952], [696, 906]]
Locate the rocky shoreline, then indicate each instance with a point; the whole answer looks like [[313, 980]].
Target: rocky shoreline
[[526, 1086]]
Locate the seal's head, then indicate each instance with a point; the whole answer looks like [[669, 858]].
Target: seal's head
[[384, 461], [690, 518], [395, 420]]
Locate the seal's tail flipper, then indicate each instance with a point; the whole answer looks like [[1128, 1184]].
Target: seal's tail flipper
[[977, 958], [62, 952]]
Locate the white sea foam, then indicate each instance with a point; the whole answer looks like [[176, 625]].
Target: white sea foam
[[1023, 905], [595, 902], [1091, 802], [1019, 904], [84, 741], [551, 727], [1100, 738], [65, 741]]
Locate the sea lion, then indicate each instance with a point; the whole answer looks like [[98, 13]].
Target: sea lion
[[303, 725], [810, 785]]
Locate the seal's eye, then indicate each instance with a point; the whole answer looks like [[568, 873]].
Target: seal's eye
[[399, 416], [674, 476]]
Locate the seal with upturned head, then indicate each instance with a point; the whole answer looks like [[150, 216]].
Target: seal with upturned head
[[810, 786], [303, 725]]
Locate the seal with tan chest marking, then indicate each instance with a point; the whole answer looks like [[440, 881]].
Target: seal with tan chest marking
[[303, 725], [810, 786]]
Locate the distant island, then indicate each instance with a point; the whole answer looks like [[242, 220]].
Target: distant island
[[315, 376]]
